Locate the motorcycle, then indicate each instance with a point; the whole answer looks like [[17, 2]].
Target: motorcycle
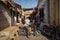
[[51, 32], [54, 33]]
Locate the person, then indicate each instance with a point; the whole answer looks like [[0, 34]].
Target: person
[[41, 14], [36, 17], [15, 21], [23, 17], [41, 10], [27, 21]]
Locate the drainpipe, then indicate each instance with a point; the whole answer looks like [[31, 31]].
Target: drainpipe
[[58, 12]]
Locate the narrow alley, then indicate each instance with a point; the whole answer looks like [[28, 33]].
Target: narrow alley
[[29, 20]]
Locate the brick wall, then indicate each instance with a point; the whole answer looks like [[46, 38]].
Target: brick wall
[[5, 18], [3, 21]]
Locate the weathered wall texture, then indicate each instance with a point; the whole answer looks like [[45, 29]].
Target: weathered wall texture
[[54, 12], [5, 19]]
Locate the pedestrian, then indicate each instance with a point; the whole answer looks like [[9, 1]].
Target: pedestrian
[[41, 10], [15, 21], [36, 18], [23, 17]]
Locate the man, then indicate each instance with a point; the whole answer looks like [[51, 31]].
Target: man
[[36, 17], [27, 21], [41, 10], [23, 17]]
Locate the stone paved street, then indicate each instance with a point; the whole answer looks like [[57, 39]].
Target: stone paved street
[[41, 37], [13, 30]]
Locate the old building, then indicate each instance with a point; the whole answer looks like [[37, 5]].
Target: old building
[[51, 11], [8, 9]]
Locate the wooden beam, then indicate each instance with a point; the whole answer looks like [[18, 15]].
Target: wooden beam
[[56, 11], [51, 12]]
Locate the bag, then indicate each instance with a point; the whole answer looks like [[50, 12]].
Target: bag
[[44, 26]]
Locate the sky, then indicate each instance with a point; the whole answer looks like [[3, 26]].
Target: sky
[[27, 3]]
